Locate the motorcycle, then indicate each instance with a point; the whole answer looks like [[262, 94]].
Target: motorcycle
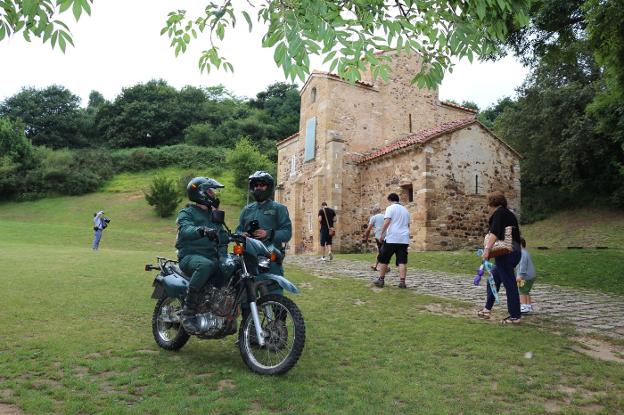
[[271, 336]]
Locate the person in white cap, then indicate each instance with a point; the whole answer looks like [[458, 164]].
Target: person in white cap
[[98, 227]]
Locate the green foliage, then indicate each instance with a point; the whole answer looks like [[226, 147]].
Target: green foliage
[[145, 115], [52, 116], [245, 159], [40, 19], [568, 120], [348, 34], [163, 194], [182, 155], [488, 116], [14, 146]]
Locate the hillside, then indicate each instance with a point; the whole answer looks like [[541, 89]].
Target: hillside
[[579, 228]]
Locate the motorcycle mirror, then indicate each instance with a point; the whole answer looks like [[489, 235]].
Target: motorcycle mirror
[[218, 216]]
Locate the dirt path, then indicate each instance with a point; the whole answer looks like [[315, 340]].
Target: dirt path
[[588, 311]]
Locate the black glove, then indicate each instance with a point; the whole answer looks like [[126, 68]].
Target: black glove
[[209, 233]]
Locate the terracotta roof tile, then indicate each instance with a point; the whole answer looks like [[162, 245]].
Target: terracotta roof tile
[[290, 137], [419, 138], [459, 107], [336, 76]]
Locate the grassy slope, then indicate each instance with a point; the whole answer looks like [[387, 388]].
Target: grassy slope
[[76, 337]]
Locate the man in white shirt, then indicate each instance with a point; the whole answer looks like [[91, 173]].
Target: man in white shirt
[[396, 238]]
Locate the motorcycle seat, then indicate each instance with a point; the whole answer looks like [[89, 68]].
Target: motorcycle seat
[[176, 268]]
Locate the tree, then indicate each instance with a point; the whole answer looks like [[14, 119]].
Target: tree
[[147, 114], [489, 115], [576, 51], [244, 159], [51, 116], [40, 19], [163, 195], [281, 104], [349, 33], [16, 155]]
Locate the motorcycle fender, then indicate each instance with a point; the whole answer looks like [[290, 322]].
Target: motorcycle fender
[[283, 282], [175, 286], [159, 290]]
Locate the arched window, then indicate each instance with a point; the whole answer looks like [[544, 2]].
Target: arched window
[[313, 94]]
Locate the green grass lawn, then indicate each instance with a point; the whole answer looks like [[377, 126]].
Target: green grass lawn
[[76, 336]]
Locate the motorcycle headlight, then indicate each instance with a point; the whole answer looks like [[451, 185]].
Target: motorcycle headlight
[[264, 262]]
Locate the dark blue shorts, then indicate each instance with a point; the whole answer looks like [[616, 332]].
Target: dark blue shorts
[[325, 238], [387, 250]]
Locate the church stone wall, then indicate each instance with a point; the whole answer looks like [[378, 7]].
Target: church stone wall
[[397, 173], [465, 166]]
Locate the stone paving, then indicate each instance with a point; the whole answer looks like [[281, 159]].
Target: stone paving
[[588, 311]]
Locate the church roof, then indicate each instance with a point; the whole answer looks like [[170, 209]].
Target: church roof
[[425, 136], [459, 107], [290, 137]]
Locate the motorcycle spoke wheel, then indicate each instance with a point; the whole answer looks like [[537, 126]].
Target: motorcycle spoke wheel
[[284, 330], [168, 335]]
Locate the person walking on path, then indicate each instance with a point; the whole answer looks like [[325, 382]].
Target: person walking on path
[[503, 270], [525, 279], [395, 237], [326, 218], [375, 223], [99, 224]]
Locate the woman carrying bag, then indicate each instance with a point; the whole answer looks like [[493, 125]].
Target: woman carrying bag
[[503, 243]]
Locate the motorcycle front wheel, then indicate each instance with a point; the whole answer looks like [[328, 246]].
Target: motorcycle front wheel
[[167, 330], [284, 330]]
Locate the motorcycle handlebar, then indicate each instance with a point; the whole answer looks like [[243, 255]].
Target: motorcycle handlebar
[[236, 237]]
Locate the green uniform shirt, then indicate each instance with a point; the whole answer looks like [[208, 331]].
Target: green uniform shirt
[[188, 241], [272, 217]]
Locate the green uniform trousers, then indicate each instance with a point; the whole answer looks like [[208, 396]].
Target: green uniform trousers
[[200, 268]]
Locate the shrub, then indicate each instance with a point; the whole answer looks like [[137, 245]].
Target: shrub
[[163, 195], [245, 159]]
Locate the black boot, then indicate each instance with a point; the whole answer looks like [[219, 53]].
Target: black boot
[[191, 303]]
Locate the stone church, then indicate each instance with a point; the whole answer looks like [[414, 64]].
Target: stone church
[[359, 142]]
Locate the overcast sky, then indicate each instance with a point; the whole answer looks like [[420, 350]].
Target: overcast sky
[[120, 45]]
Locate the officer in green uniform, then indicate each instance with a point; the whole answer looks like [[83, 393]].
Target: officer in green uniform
[[274, 226], [198, 244]]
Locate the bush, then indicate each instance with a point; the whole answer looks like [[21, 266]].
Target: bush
[[245, 159], [164, 196]]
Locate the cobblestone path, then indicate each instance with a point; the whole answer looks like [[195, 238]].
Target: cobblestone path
[[588, 311]]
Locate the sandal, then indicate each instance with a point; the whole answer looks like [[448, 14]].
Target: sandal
[[484, 314], [510, 320]]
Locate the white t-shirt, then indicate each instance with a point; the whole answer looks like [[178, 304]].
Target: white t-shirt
[[377, 222], [398, 231]]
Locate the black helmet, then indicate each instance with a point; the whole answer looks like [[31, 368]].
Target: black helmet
[[261, 177], [199, 191]]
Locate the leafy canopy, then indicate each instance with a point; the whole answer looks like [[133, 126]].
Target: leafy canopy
[[38, 18], [349, 33]]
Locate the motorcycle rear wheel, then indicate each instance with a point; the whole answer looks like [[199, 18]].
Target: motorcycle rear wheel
[[284, 327], [169, 336]]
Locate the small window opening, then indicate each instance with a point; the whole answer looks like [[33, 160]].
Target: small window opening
[[476, 184], [407, 193], [410, 123], [313, 94]]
